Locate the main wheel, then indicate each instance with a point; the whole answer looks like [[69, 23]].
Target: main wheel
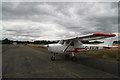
[[53, 58], [74, 58]]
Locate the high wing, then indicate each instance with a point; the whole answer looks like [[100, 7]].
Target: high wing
[[89, 37], [94, 36]]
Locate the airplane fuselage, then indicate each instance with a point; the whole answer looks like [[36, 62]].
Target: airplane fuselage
[[59, 48]]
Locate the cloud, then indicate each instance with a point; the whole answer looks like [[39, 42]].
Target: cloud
[[57, 20]]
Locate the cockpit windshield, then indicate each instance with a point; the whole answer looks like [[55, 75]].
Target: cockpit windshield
[[66, 42], [61, 42]]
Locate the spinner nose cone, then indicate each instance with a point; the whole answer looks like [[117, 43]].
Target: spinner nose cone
[[46, 46]]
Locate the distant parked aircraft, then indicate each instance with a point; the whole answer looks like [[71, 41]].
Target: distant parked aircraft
[[14, 43]]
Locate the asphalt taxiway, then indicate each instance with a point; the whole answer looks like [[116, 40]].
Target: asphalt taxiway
[[20, 61]]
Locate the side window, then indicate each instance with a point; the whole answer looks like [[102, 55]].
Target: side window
[[72, 43], [67, 42]]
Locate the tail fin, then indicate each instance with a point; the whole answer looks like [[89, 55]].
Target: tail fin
[[108, 41]]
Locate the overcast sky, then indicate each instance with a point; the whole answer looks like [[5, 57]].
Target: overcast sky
[[53, 21]]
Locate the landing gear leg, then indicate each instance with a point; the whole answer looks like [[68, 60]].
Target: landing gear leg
[[53, 57], [73, 57]]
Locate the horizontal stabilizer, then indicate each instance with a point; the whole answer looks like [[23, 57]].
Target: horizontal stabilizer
[[108, 47]]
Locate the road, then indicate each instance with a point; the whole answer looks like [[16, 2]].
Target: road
[[21, 61]]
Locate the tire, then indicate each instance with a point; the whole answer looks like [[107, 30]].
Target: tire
[[74, 59], [53, 58]]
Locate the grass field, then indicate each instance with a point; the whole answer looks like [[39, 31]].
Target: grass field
[[109, 54]]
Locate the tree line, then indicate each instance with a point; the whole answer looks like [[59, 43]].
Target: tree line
[[7, 41]]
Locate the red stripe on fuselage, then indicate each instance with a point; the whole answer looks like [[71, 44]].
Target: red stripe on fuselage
[[76, 50], [79, 48], [71, 51], [118, 47]]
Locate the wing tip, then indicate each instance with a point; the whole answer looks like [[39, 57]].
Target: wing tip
[[104, 34]]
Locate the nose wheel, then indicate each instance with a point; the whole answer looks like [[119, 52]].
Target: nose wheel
[[53, 58]]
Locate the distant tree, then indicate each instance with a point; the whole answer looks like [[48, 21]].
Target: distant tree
[[6, 41]]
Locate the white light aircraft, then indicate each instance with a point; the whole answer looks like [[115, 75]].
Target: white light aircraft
[[70, 46]]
